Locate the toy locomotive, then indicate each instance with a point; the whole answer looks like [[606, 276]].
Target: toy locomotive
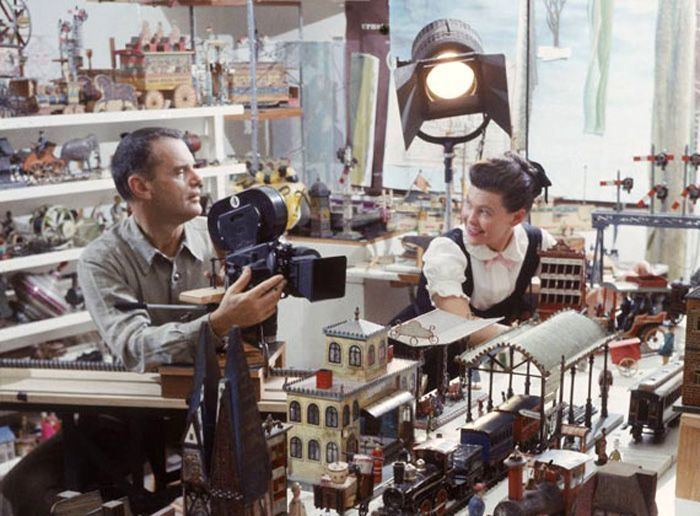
[[651, 401]]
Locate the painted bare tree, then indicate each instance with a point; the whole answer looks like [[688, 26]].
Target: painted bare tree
[[554, 9]]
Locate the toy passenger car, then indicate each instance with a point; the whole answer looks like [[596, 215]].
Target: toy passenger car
[[651, 401]]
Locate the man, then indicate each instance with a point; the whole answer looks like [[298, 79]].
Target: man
[[161, 250]]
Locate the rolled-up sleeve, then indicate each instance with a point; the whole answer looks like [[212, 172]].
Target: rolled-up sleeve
[[131, 336], [444, 266]]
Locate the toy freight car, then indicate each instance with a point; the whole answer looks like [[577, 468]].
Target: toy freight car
[[651, 401]]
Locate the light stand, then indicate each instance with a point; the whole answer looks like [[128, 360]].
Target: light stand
[[448, 145]]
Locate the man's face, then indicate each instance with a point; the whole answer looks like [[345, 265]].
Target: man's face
[[175, 186], [486, 220]]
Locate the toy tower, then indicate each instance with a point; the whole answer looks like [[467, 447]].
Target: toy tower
[[563, 280], [362, 396]]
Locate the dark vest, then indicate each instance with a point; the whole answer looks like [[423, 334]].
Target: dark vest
[[519, 305]]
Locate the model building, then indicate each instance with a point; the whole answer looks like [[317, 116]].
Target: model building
[[361, 398]]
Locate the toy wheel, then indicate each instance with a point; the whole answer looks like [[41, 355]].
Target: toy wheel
[[184, 96], [36, 170], [154, 99], [653, 337], [628, 366], [425, 508], [57, 167], [58, 223], [441, 502]]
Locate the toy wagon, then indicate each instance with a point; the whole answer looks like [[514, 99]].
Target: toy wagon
[[158, 75], [625, 354]]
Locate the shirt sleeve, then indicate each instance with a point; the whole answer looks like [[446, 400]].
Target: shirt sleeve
[[130, 335], [444, 266]]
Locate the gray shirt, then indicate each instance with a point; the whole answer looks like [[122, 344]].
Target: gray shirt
[[122, 265]]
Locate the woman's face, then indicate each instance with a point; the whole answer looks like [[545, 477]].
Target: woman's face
[[487, 221]]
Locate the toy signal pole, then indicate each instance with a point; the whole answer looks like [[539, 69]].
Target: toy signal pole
[[688, 161], [661, 159]]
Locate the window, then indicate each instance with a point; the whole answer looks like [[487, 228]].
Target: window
[[382, 350], [312, 415], [295, 447], [355, 410], [404, 383], [334, 353], [696, 376], [346, 415], [331, 417], [697, 323], [331, 453], [295, 411], [355, 356], [370, 355], [314, 450]]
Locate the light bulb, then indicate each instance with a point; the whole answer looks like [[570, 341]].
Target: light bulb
[[450, 80]]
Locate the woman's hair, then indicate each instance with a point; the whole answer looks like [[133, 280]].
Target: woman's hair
[[516, 179]]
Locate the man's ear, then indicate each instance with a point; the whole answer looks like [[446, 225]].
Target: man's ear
[[139, 186], [518, 217]]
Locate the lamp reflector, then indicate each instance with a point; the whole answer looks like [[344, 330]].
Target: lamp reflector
[[450, 80]]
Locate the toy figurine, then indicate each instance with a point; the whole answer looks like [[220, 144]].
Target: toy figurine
[[476, 502], [296, 506], [615, 455], [667, 348], [600, 449]]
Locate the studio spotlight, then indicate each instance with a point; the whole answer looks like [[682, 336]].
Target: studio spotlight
[[449, 75]]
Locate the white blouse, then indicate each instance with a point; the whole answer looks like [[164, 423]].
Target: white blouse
[[494, 274]]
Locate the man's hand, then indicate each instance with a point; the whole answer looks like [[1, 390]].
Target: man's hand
[[249, 308]]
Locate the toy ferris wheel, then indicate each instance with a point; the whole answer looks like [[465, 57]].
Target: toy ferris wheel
[[15, 24]]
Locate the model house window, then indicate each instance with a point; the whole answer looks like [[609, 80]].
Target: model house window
[[697, 376], [295, 411], [346, 415], [331, 417], [697, 323], [295, 447], [331, 453], [312, 415], [314, 450], [355, 356], [370, 355], [355, 410], [334, 353], [382, 350]]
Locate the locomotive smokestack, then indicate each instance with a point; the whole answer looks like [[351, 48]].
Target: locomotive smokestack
[[399, 469], [515, 464]]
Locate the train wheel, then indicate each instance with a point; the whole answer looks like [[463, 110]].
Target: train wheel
[[441, 502], [185, 96], [425, 508], [154, 99], [628, 366]]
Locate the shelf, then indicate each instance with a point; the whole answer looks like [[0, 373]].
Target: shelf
[[37, 261], [143, 115], [87, 193], [27, 334], [268, 114]]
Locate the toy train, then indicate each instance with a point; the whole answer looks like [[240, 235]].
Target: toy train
[[651, 401], [445, 471]]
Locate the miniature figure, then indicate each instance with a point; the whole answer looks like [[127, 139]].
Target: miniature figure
[[615, 455], [476, 502], [667, 348], [600, 449], [296, 506]]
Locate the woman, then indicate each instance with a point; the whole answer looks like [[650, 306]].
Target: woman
[[484, 266]]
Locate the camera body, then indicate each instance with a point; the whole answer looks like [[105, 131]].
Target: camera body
[[247, 226]]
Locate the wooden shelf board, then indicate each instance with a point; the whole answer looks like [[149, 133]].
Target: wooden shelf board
[[43, 121], [268, 114], [39, 260], [27, 334]]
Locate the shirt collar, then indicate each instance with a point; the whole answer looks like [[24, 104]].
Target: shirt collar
[[136, 238], [515, 250]]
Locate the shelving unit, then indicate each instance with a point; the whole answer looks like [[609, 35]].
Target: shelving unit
[[76, 194]]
